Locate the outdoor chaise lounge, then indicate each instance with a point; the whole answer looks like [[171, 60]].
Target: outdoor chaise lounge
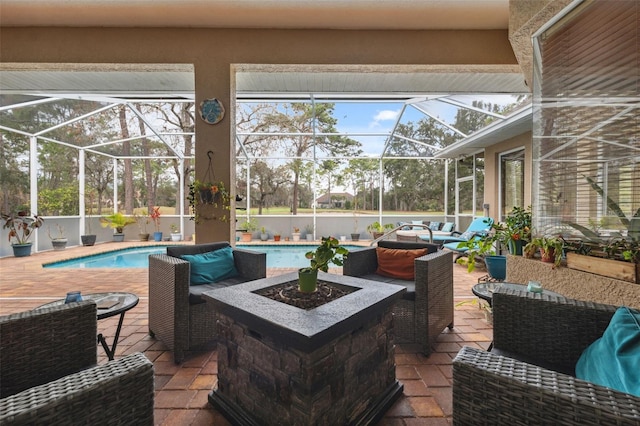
[[479, 226], [178, 315], [417, 233], [427, 307], [529, 375], [48, 372]]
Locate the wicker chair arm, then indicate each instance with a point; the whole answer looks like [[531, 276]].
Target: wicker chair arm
[[42, 345], [544, 329], [360, 262], [252, 265], [434, 296], [169, 299], [118, 392], [497, 390]]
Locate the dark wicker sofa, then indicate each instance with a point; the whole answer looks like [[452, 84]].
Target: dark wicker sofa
[[528, 377], [48, 372], [177, 314], [427, 307]]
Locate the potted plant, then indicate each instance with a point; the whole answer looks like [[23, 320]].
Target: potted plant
[[21, 227], [550, 248], [309, 232], [377, 230], [142, 221], [276, 236], [264, 236], [155, 217], [89, 238], [214, 194], [175, 233], [58, 241], [248, 227], [329, 251], [118, 222], [515, 232], [296, 234], [484, 247]]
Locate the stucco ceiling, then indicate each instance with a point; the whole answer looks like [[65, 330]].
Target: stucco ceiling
[[337, 14]]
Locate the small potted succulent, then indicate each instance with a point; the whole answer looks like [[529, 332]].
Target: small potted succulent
[[295, 236], [21, 227], [329, 251]]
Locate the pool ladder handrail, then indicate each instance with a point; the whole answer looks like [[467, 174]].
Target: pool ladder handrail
[[399, 227]]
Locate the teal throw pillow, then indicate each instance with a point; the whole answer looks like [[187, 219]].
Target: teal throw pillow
[[434, 226], [212, 266], [614, 359]]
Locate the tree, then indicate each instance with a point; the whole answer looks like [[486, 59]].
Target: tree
[[267, 181], [303, 121]]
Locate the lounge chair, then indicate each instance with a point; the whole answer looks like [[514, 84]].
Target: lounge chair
[[412, 233], [178, 315], [528, 377], [48, 372], [426, 309], [478, 227]]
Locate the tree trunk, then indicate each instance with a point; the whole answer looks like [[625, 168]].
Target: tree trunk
[[127, 178]]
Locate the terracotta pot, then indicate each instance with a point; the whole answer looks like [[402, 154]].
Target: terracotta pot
[[548, 256]]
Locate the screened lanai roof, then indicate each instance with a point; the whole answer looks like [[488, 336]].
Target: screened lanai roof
[[403, 94]]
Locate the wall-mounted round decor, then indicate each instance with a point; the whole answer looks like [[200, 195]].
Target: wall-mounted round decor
[[211, 111]]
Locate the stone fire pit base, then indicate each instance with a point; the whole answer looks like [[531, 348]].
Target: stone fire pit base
[[281, 365]]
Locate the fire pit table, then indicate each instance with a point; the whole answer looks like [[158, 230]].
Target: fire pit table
[[279, 364]]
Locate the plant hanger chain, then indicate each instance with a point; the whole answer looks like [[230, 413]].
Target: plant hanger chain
[[209, 175]]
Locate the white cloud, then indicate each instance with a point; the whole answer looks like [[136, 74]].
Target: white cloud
[[384, 115]]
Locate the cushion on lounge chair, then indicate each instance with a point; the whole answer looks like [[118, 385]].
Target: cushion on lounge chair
[[448, 227], [211, 267], [614, 359], [398, 263]]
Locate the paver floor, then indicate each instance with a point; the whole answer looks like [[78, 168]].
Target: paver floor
[[181, 390]]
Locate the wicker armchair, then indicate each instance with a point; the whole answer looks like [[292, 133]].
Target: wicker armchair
[[527, 378], [48, 372], [177, 314], [427, 307]]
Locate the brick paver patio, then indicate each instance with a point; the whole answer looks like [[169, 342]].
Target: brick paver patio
[[181, 390]]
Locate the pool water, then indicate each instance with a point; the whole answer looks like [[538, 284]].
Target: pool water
[[283, 256], [278, 256], [135, 257]]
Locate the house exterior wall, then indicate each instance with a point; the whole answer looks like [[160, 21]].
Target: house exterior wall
[[215, 54]]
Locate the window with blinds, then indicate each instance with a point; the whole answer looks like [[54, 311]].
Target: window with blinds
[[587, 122]]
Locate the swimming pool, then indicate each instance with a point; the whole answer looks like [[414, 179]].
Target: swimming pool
[[278, 256], [134, 257], [284, 256]]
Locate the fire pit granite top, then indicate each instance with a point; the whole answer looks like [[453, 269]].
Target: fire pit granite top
[[302, 329]]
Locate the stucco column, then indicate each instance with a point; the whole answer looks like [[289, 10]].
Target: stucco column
[[212, 80]]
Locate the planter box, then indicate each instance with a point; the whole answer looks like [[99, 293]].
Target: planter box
[[624, 271]]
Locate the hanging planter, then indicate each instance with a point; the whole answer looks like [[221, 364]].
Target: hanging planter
[[208, 196]]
